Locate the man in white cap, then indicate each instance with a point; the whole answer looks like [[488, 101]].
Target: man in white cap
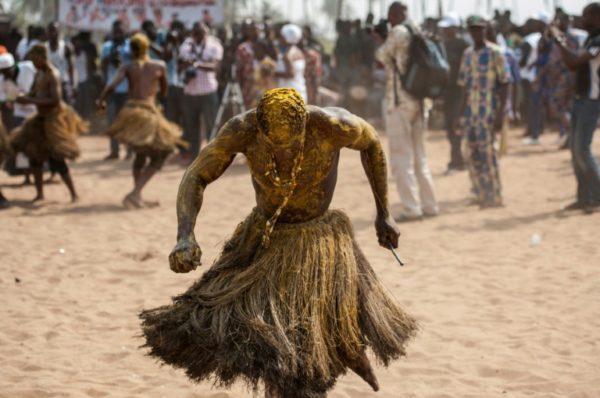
[[454, 46], [291, 63], [16, 78], [405, 124]]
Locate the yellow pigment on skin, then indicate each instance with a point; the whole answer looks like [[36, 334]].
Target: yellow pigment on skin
[[310, 170], [141, 42]]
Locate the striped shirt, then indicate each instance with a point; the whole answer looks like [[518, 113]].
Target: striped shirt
[[210, 50]]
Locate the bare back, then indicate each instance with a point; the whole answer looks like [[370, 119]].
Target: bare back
[[146, 79], [46, 85]]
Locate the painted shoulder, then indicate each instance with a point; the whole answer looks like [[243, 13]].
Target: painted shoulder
[[332, 121]]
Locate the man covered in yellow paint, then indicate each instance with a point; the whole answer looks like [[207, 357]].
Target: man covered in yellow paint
[[292, 301]]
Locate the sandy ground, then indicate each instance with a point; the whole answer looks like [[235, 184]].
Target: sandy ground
[[500, 317]]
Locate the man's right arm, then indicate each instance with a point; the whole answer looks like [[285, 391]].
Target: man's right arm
[[210, 164]]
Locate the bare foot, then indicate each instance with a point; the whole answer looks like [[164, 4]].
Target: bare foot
[[132, 201], [74, 199], [38, 198]]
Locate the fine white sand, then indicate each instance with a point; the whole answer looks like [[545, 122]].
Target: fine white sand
[[499, 317]]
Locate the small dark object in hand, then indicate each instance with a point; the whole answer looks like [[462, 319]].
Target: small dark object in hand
[[395, 255]]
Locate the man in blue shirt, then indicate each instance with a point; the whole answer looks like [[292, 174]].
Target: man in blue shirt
[[115, 53]]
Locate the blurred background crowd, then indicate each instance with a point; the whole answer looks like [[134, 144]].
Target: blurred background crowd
[[341, 72]]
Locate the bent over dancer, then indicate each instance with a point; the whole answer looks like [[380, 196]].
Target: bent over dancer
[[292, 301]]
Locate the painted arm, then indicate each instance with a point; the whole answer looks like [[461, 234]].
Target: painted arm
[[352, 132], [210, 164]]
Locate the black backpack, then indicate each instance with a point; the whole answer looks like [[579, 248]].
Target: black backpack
[[427, 71]]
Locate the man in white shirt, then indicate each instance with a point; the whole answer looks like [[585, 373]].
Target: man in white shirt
[[199, 55], [16, 78], [405, 124]]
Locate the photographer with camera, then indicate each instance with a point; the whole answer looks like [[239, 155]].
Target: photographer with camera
[[199, 57], [115, 52]]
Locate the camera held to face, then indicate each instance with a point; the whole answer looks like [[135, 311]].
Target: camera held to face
[[189, 74]]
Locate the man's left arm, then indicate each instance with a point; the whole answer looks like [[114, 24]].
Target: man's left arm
[[353, 132]]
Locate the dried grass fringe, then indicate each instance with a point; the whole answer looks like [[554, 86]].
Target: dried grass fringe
[[143, 127], [53, 135], [293, 314]]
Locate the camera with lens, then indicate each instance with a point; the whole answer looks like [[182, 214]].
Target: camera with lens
[[189, 74], [382, 28]]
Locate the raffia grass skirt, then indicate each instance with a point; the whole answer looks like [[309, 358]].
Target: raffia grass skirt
[[293, 314], [142, 126], [52, 135]]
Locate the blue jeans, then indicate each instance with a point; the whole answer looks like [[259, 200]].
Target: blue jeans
[[584, 120], [114, 105]]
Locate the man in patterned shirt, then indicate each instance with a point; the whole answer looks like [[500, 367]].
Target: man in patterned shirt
[[484, 77]]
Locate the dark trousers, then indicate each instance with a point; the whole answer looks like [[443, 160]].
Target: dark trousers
[[537, 113], [114, 104], [527, 104], [584, 120], [174, 104], [84, 102], [451, 114], [194, 108]]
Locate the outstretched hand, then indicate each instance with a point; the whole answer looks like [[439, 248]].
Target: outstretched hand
[[186, 256], [387, 232]]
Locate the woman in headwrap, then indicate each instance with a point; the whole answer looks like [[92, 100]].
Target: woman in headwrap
[[291, 62]]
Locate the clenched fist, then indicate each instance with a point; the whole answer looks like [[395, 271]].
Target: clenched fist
[[186, 256]]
